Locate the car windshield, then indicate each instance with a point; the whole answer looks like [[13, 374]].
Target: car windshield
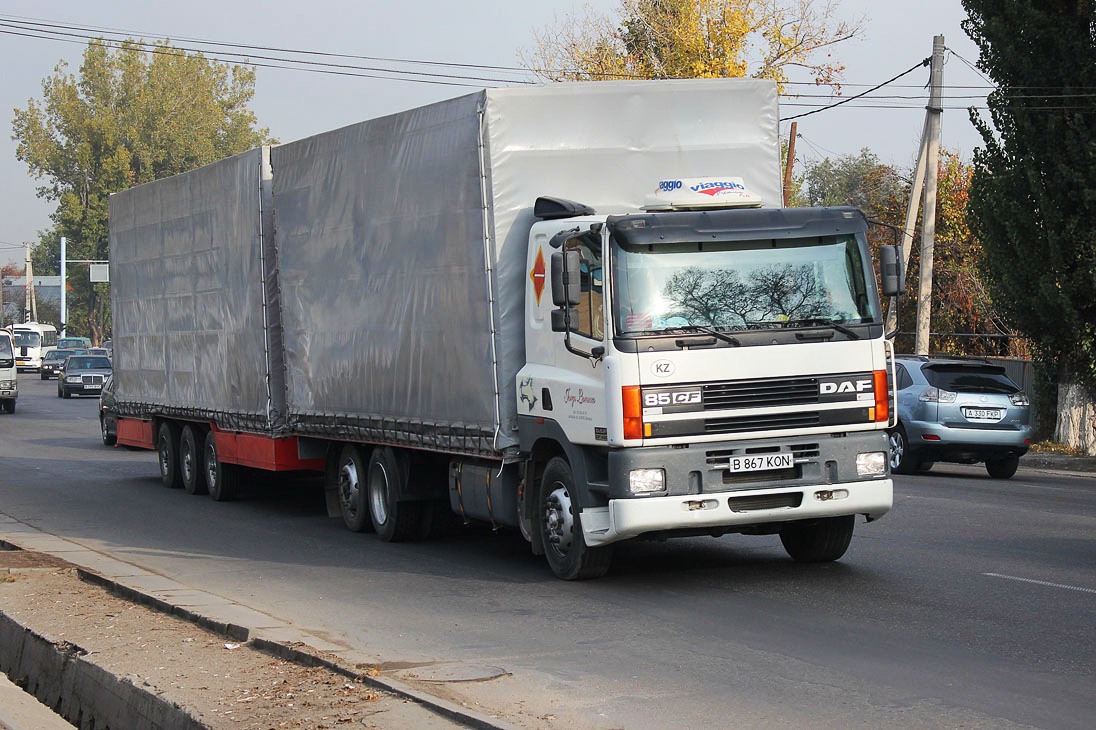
[[741, 285], [57, 354], [88, 363], [969, 379]]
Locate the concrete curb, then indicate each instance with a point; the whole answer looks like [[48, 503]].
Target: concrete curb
[[80, 691], [37, 663]]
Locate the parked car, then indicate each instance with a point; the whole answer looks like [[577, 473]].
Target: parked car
[[108, 413], [54, 360], [959, 410], [83, 375]]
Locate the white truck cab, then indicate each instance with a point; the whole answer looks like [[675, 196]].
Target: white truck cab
[[707, 368]]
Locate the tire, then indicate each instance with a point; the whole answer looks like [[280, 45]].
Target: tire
[[167, 449], [819, 542], [923, 466], [353, 505], [109, 439], [222, 481], [8, 405], [1003, 468], [901, 460], [66, 393], [191, 466], [393, 520], [561, 531], [45, 376]]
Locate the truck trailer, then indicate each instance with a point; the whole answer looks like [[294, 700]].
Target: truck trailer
[[577, 310]]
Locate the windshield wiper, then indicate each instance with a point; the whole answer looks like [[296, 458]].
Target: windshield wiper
[[730, 340], [805, 322]]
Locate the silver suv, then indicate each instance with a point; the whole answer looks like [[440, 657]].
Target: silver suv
[[959, 410]]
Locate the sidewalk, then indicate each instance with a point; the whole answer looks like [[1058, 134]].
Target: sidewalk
[[1058, 462]]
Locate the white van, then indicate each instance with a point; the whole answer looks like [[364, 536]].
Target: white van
[[9, 385]]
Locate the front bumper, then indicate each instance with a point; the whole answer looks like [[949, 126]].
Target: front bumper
[[702, 493], [626, 518]]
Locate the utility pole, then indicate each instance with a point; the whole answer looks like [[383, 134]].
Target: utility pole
[[29, 308], [788, 167], [928, 226], [64, 290]]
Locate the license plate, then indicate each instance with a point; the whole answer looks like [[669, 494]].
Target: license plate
[[92, 387], [983, 414], [762, 462]]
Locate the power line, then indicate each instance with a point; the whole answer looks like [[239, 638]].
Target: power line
[[910, 70]]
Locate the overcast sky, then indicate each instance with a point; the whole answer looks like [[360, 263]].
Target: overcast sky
[[295, 104]]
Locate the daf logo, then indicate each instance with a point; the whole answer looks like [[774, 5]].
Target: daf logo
[[845, 386], [662, 368]]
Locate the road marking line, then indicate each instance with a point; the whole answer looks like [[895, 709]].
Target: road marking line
[[1042, 583]]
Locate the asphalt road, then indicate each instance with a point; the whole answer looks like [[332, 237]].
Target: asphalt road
[[972, 604]]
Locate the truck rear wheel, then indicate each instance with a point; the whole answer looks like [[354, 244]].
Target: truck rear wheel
[[561, 530], [222, 481], [352, 502], [393, 520], [819, 542], [190, 461], [167, 440]]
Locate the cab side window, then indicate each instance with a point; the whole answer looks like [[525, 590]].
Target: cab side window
[[591, 307]]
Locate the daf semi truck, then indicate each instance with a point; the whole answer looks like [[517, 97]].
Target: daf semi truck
[[577, 310]]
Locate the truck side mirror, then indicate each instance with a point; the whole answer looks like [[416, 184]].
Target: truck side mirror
[[564, 320], [566, 279], [890, 271]]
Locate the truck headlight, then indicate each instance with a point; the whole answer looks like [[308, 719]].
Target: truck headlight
[[871, 464], [646, 481], [7, 384]]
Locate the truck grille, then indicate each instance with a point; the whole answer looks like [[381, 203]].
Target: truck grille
[[764, 392], [765, 422]]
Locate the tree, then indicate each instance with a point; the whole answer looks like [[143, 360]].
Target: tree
[[131, 116], [962, 309], [663, 39], [1033, 194]]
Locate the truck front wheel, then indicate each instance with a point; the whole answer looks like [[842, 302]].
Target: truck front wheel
[[819, 542], [561, 530], [393, 520]]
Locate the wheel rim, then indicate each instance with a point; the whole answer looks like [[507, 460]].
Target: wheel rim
[[559, 521], [211, 467], [378, 492], [165, 462], [349, 488], [187, 463], [897, 450]]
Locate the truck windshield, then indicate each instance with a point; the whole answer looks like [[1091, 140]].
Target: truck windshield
[[741, 285]]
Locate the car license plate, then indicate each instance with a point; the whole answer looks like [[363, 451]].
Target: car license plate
[[91, 387], [762, 462], [983, 414]]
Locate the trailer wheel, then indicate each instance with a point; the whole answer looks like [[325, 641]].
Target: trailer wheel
[[393, 520], [819, 542], [222, 481], [167, 439], [352, 502], [190, 461], [110, 438], [561, 531]]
